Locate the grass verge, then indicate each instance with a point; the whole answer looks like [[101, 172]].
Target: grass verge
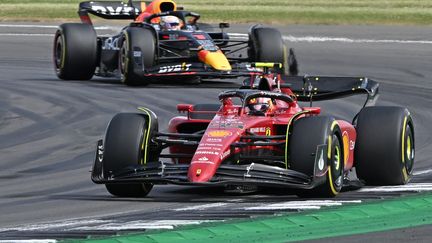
[[395, 12]]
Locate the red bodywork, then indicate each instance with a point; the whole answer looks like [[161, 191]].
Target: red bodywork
[[232, 122]]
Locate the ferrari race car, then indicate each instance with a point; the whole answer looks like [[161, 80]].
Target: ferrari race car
[[259, 136], [149, 49]]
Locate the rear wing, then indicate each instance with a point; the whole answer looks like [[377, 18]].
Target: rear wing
[[316, 88], [122, 9], [111, 9]]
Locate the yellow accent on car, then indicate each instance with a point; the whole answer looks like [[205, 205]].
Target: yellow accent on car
[[409, 151], [403, 139], [268, 131], [268, 64], [337, 158], [330, 181], [405, 174], [147, 135], [330, 139], [217, 60], [63, 57], [219, 133]]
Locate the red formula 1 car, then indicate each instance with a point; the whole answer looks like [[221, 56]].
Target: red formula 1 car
[[259, 136]]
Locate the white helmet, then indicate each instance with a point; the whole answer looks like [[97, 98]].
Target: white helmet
[[170, 22]]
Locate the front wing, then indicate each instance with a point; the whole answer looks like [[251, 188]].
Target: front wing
[[198, 69], [232, 174]]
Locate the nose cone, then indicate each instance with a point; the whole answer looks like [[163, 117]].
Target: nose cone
[[214, 147], [215, 59], [201, 172]]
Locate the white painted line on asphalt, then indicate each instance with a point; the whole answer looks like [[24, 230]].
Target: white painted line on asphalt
[[24, 34], [289, 38], [143, 224], [422, 172], [200, 207], [47, 226], [311, 39], [308, 204], [412, 187], [44, 26]]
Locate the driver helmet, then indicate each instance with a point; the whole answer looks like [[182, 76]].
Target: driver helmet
[[170, 23], [260, 105]]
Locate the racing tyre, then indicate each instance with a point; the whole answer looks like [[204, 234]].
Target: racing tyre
[[126, 143], [75, 51], [312, 135], [266, 45], [384, 151], [137, 52]]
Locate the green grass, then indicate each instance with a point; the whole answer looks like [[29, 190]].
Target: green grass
[[399, 12]]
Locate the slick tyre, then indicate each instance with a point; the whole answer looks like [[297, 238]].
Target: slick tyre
[[125, 139], [308, 134], [75, 51], [266, 45], [137, 52], [384, 150]]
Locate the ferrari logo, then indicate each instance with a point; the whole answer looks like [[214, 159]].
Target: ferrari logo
[[268, 131], [198, 172]]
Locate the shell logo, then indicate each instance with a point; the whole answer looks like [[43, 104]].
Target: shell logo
[[219, 133]]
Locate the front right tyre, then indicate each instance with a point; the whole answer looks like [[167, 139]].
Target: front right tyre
[[126, 145], [308, 134], [137, 52]]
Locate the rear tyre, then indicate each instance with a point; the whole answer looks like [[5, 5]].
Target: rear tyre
[[75, 51], [266, 45], [384, 151], [307, 135], [137, 52], [125, 144]]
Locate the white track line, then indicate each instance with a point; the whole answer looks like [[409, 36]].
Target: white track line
[[412, 187], [143, 224], [422, 172], [47, 226], [310, 39], [45, 26], [201, 207], [25, 34], [308, 204], [289, 38]]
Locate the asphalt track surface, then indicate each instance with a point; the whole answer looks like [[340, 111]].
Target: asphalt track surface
[[49, 127]]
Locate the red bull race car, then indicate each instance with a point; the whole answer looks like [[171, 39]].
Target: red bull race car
[[259, 136], [163, 41]]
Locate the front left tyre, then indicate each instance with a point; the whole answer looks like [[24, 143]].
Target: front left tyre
[[75, 51]]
